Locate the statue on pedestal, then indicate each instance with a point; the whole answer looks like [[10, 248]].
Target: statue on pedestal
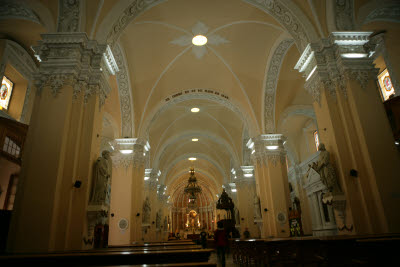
[[102, 179], [146, 211], [326, 171]]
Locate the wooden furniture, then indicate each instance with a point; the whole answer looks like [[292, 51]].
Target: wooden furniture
[[365, 250], [108, 258]]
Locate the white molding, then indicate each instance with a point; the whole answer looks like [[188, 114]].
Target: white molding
[[124, 93]]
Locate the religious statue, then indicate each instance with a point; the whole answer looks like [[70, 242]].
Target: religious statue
[[146, 211], [257, 207], [326, 171], [158, 219], [102, 179]]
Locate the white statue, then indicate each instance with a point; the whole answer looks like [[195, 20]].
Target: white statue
[[257, 207], [102, 179], [146, 211], [326, 171]]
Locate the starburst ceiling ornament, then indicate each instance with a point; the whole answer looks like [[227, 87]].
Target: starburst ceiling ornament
[[200, 39]]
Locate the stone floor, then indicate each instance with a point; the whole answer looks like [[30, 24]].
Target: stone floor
[[228, 260]]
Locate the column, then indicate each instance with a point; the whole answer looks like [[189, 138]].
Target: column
[[246, 189], [151, 192], [272, 182], [61, 146], [355, 129]]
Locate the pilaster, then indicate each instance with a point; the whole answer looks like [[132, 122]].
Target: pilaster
[[341, 77], [65, 122], [272, 183]]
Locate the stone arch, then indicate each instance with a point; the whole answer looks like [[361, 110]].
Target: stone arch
[[340, 15], [288, 14], [378, 11], [44, 14], [162, 106], [271, 80], [124, 93]]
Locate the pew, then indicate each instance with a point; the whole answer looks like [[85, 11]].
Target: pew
[[108, 258], [367, 250]]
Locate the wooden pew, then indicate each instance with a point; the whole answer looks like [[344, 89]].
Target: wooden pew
[[371, 250], [108, 258]]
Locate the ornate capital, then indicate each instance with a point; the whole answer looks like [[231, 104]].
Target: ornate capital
[[71, 59], [327, 64], [129, 151], [269, 148]]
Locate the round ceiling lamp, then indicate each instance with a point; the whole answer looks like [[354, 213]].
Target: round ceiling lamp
[[199, 40], [195, 110], [195, 139], [192, 159]]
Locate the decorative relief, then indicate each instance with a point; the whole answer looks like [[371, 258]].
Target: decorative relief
[[343, 56], [344, 15], [16, 10], [134, 9], [274, 8], [271, 83], [71, 59], [384, 13], [124, 90], [68, 16], [199, 28], [313, 86], [285, 17], [199, 94]]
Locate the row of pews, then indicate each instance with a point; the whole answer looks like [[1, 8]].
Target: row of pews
[[347, 250], [179, 253]]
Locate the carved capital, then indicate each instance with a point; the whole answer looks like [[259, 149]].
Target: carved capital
[[71, 59], [327, 64]]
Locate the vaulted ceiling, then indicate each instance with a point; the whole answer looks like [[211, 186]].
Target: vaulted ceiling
[[242, 80]]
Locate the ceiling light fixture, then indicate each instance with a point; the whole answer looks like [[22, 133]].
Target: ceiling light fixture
[[192, 158], [272, 147], [199, 40], [126, 151], [195, 139], [195, 110]]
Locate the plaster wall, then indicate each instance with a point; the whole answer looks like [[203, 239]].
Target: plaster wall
[[120, 205]]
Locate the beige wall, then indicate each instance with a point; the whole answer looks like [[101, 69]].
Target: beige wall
[[120, 205]]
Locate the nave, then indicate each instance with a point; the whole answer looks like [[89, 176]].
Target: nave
[[126, 122]]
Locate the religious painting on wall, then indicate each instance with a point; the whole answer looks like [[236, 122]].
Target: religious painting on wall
[[385, 84], [5, 92]]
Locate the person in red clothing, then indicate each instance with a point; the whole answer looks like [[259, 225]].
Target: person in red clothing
[[221, 242]]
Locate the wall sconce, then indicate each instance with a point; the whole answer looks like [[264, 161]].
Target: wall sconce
[[353, 173], [77, 184]]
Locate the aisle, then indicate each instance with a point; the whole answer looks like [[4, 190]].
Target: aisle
[[228, 258]]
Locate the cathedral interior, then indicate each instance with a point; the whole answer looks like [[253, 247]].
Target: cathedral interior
[[131, 122]]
